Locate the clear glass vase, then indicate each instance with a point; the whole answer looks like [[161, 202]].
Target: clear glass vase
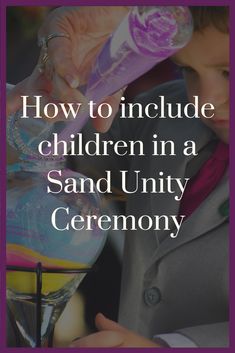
[[32, 238]]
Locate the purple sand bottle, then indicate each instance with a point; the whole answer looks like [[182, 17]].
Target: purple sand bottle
[[147, 36]]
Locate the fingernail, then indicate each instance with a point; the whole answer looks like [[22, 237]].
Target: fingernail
[[73, 82], [73, 346], [100, 314]]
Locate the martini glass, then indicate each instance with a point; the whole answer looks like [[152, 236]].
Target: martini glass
[[46, 266]]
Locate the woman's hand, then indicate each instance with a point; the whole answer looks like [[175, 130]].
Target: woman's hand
[[87, 27], [70, 58]]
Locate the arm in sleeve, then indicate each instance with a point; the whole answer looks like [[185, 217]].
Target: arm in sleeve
[[211, 335]]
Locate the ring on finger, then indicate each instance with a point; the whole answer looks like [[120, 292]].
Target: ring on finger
[[43, 59], [43, 41]]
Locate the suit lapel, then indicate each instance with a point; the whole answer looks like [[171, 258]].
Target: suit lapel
[[204, 219], [207, 216]]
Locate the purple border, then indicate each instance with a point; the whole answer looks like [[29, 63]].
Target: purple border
[[2, 176], [5, 3]]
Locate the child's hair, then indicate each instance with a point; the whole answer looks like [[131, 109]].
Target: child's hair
[[217, 16]]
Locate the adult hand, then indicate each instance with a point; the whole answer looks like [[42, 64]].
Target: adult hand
[[111, 334], [86, 29]]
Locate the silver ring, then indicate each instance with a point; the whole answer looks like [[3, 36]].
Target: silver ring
[[44, 57], [43, 42]]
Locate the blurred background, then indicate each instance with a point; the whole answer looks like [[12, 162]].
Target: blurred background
[[99, 291], [22, 50]]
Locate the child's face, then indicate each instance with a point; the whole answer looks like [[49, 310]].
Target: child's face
[[205, 64]]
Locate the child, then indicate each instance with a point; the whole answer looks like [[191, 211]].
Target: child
[[174, 291]]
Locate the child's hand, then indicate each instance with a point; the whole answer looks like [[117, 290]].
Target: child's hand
[[111, 334]]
